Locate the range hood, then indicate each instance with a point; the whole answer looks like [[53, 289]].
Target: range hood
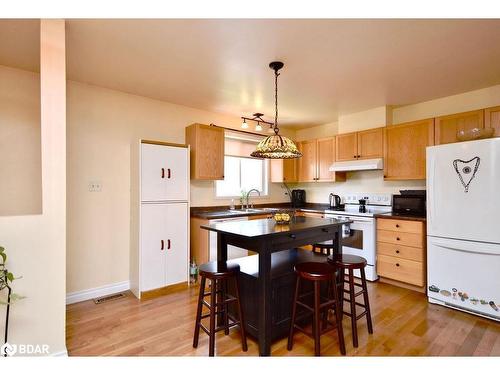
[[357, 165]]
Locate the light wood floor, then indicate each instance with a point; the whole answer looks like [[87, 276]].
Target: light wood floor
[[404, 325]]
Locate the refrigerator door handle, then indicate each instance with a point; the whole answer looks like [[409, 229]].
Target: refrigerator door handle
[[468, 247]]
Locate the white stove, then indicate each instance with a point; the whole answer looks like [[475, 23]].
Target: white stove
[[359, 237]]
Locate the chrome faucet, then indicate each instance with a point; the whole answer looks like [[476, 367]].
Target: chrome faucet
[[248, 197]]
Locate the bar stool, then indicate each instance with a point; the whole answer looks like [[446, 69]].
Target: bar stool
[[317, 273], [352, 262], [219, 273], [325, 247]]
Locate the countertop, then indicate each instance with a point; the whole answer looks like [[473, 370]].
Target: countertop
[[268, 228], [394, 215], [223, 212]]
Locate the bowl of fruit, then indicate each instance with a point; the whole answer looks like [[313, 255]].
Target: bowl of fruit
[[283, 217]]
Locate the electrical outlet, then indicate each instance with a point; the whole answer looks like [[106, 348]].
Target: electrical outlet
[[95, 186]]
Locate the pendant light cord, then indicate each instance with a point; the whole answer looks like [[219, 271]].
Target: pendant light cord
[[276, 74]]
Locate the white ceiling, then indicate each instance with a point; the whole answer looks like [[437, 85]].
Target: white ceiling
[[332, 67]]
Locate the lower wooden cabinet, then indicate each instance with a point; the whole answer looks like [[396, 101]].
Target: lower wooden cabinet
[[401, 252]]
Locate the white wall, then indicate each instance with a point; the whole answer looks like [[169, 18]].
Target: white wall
[[36, 244], [102, 124], [468, 101], [20, 153]]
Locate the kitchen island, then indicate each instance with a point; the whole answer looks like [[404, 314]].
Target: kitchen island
[[265, 237]]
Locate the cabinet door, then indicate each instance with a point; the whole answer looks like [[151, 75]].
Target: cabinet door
[[326, 156], [404, 150], [153, 173], [283, 170], [153, 246], [164, 173], [308, 161], [371, 144], [177, 177], [176, 247], [448, 126], [346, 147], [492, 119], [207, 151]]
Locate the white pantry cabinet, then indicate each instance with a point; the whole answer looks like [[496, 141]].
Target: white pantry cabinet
[[164, 173], [159, 217], [164, 259]]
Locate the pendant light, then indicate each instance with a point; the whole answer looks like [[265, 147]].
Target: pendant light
[[276, 146]]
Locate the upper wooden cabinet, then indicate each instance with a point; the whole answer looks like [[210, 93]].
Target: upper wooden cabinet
[[371, 143], [346, 146], [308, 162], [448, 126], [367, 144], [404, 149], [284, 170], [492, 119], [317, 157], [207, 151]]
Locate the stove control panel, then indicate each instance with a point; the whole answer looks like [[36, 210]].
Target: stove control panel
[[378, 199]]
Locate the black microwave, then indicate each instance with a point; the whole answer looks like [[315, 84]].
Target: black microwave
[[409, 204]]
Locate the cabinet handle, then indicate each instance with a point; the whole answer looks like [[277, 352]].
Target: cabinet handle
[[168, 173], [293, 236], [397, 264], [163, 173], [397, 251], [168, 244], [354, 156], [397, 225], [162, 245], [397, 238]]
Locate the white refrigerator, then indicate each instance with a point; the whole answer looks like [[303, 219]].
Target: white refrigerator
[[463, 226]]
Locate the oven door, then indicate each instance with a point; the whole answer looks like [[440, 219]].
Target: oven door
[[359, 237]]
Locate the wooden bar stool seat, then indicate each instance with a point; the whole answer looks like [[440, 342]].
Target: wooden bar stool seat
[[316, 273], [219, 273], [350, 263], [325, 247]]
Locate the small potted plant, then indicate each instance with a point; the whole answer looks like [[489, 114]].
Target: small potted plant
[[6, 279]]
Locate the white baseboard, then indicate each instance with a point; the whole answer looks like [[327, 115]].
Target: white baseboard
[[63, 353], [101, 291]]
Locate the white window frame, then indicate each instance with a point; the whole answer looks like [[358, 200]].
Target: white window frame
[[266, 178]]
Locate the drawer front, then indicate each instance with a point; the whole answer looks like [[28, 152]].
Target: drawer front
[[400, 238], [401, 225], [303, 238], [400, 251], [407, 271]]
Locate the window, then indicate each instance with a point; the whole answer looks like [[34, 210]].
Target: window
[[242, 174]]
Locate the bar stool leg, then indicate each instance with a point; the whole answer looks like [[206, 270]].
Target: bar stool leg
[[224, 307], [213, 307], [240, 316], [367, 303], [316, 321], [294, 313], [353, 309], [198, 312], [338, 315]]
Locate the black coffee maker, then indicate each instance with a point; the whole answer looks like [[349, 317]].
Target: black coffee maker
[[298, 198]]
